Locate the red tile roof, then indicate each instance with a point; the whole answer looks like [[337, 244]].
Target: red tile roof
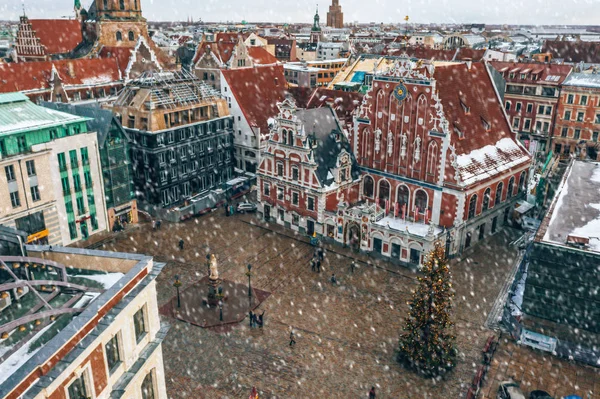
[[222, 47], [260, 56], [548, 74], [473, 88], [573, 51], [469, 54], [425, 53], [120, 54], [27, 76], [257, 91], [59, 36]]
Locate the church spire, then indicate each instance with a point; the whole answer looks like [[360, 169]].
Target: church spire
[[316, 27]]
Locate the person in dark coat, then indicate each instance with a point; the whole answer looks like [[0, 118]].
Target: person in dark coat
[[318, 266], [372, 394], [333, 279], [251, 318], [292, 340], [181, 242], [158, 224], [260, 319], [313, 264], [352, 266]]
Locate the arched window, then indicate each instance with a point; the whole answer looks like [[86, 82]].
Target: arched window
[[498, 198], [290, 137], [105, 4], [284, 136], [295, 173], [486, 199], [131, 36], [432, 159], [384, 192], [368, 186], [522, 180], [279, 169], [472, 206], [511, 184], [403, 194], [135, 4], [119, 36], [121, 4], [421, 201]]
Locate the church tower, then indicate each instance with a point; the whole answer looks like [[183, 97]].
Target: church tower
[[116, 23], [335, 16], [124, 10], [315, 32]]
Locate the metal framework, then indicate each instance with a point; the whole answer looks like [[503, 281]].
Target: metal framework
[[171, 89]]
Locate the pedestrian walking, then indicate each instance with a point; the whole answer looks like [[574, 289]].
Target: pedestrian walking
[[154, 225], [318, 266], [372, 394], [321, 253], [158, 223], [333, 279], [352, 266], [292, 340], [251, 319], [313, 264], [226, 207], [260, 319], [181, 242]]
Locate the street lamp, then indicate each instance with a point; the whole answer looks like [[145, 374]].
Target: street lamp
[[177, 284], [249, 274], [208, 264], [221, 310]]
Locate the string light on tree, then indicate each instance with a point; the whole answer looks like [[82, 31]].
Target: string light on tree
[[427, 344]]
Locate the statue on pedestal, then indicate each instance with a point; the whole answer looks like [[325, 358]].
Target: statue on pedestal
[[214, 272]]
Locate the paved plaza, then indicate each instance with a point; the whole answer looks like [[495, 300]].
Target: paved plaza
[[346, 334]]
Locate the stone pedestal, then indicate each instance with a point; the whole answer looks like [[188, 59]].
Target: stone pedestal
[[212, 298]]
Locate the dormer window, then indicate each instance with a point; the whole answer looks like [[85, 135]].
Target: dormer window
[[523, 76], [459, 132], [485, 124], [464, 107]]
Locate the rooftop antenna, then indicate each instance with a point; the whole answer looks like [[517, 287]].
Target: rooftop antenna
[[23, 4]]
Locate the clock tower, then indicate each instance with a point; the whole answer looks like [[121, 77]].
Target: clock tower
[[315, 32]]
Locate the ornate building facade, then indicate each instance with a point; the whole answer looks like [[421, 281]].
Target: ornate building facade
[[335, 16]]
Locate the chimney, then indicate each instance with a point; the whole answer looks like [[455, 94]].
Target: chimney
[[469, 63], [276, 82], [71, 70]]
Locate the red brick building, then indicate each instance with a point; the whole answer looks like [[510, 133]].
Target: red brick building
[[578, 117], [439, 162], [307, 168], [531, 98], [45, 39]]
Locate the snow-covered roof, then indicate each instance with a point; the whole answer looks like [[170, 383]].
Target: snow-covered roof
[[583, 80], [576, 207]]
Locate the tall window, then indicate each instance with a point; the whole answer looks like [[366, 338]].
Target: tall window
[[85, 160], [295, 174], [522, 182], [290, 137], [105, 4], [79, 388], [279, 169], [131, 36], [35, 193], [148, 386], [498, 197], [139, 324], [486, 200], [421, 200], [121, 4], [10, 172], [119, 36], [113, 357], [368, 186], [472, 206], [14, 199], [511, 184], [62, 161], [403, 194], [30, 168], [284, 136]]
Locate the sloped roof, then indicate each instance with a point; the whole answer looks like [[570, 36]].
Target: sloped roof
[[59, 36], [464, 54], [222, 47], [343, 102], [323, 123], [19, 114], [100, 120], [120, 54], [573, 51], [481, 152], [425, 53], [29, 76], [547, 74], [257, 91], [260, 56]]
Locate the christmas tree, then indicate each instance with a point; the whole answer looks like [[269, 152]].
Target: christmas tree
[[427, 345]]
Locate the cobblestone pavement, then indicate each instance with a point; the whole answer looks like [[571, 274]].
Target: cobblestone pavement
[[535, 369], [346, 335]]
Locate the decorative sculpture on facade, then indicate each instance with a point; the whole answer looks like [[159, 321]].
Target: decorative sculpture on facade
[[403, 147], [377, 140], [417, 149], [390, 143]]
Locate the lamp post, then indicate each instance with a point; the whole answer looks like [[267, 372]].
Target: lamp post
[[249, 274], [177, 284], [208, 264], [220, 310]]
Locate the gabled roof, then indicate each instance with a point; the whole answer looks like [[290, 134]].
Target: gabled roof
[[546, 74], [425, 53], [482, 151], [30, 76], [257, 91], [464, 54], [222, 47], [573, 51], [260, 56], [59, 36], [323, 123]]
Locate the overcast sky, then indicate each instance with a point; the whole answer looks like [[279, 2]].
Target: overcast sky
[[568, 12]]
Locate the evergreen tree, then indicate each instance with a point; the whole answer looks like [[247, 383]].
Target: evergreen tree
[[427, 344]]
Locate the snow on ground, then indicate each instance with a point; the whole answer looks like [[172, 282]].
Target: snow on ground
[[108, 279], [419, 229], [517, 298], [22, 355]]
